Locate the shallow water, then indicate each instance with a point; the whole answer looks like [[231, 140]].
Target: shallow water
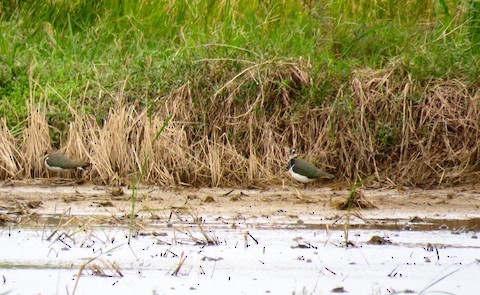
[[301, 257], [279, 222], [269, 242]]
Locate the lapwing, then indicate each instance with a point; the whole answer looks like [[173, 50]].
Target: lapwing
[[304, 171], [61, 163]]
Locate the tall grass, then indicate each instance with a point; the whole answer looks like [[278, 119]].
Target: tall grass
[[216, 92], [9, 167]]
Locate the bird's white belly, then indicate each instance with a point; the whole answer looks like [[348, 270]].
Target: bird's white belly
[[55, 169], [299, 177]]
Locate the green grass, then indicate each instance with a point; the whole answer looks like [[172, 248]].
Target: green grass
[[87, 51], [84, 57], [133, 213]]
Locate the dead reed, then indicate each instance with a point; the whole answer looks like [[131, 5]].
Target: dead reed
[[382, 124], [9, 165], [36, 141]]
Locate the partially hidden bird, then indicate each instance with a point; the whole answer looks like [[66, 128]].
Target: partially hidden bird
[[61, 163], [304, 171]]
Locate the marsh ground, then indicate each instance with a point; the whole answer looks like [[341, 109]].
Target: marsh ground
[[317, 205], [278, 240]]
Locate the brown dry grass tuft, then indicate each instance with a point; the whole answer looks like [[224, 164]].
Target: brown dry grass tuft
[[9, 154], [356, 200], [413, 137], [238, 134], [105, 268], [36, 141]]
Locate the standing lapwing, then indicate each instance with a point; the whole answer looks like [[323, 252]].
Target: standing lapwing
[[61, 163], [304, 171]]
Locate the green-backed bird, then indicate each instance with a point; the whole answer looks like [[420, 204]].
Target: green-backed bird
[[304, 171], [61, 163]]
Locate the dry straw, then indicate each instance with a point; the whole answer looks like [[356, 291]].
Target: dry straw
[[9, 155], [36, 141], [383, 124]]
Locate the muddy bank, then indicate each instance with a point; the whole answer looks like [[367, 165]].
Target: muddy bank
[[82, 238], [276, 205]]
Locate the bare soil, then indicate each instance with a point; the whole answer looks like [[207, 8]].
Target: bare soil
[[22, 202]]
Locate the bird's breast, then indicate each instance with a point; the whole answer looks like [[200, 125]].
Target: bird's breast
[[299, 177]]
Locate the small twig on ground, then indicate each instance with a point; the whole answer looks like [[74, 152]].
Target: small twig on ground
[[183, 257]]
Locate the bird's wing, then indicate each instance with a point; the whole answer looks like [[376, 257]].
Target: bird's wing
[[59, 160], [311, 171]]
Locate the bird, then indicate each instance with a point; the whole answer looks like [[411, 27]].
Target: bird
[[60, 163], [304, 171]]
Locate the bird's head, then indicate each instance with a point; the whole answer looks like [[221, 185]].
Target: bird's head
[[293, 153]]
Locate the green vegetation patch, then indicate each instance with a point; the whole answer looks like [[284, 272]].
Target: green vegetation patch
[[234, 58]]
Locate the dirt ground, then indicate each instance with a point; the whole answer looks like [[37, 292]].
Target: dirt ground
[[281, 204]]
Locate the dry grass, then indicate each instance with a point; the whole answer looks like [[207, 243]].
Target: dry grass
[[105, 268], [36, 141], [356, 200], [384, 125], [9, 155], [428, 139]]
